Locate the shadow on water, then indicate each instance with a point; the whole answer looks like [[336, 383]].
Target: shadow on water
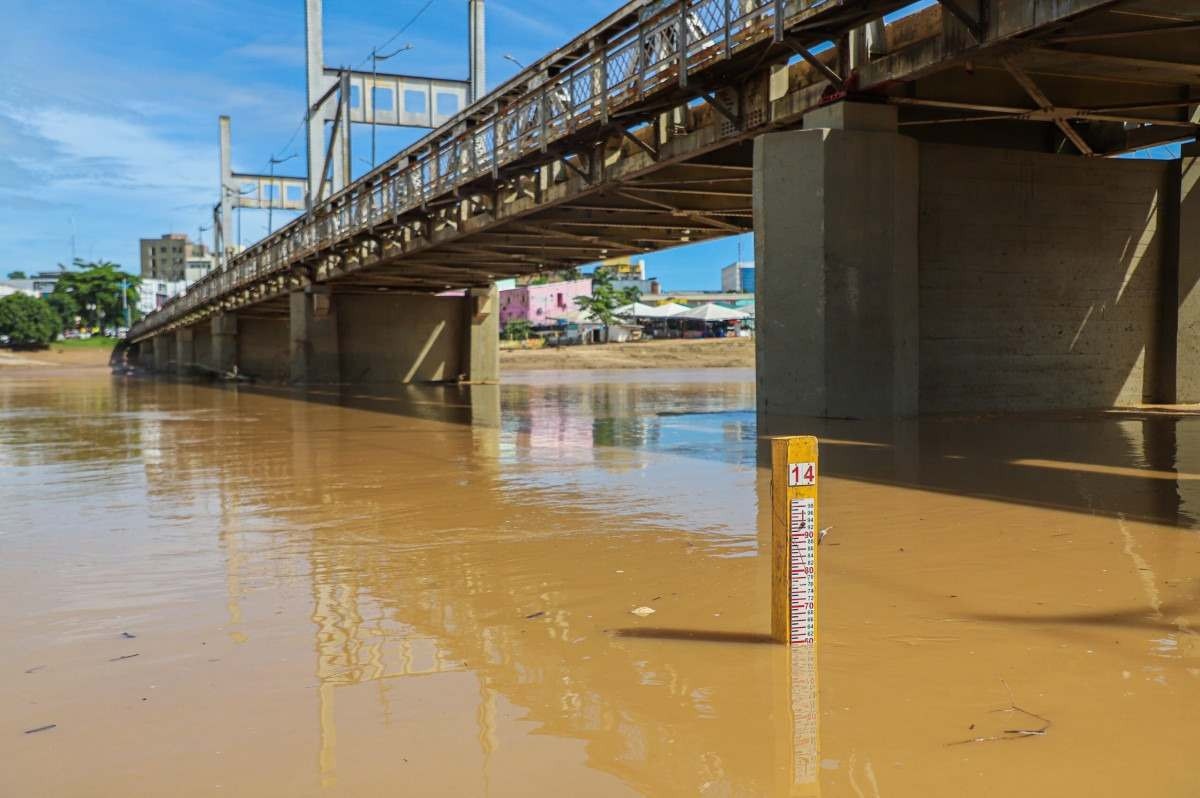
[[694, 635]]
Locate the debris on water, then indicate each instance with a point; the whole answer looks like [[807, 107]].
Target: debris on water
[[127, 656], [821, 535], [1010, 734], [642, 612], [47, 727], [128, 635], [533, 615], [35, 669]]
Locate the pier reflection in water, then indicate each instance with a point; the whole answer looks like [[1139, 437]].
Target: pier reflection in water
[[429, 591]]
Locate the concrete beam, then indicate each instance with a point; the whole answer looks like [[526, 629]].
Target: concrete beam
[[836, 226]]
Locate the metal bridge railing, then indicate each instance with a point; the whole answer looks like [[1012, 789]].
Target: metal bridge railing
[[671, 40]]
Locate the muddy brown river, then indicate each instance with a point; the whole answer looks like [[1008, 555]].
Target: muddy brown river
[[252, 592]]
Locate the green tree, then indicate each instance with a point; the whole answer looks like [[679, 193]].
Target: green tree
[[518, 330], [604, 299], [65, 307], [27, 321], [17, 275], [96, 288], [630, 294]]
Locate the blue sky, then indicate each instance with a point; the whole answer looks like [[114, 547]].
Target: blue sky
[[108, 113]]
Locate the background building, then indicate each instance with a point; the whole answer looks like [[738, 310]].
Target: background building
[[198, 265], [10, 287], [166, 258], [153, 294], [541, 304], [738, 278]]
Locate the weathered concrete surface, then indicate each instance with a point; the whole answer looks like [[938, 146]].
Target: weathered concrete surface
[[313, 324], [163, 344], [1035, 281], [224, 342], [483, 335], [202, 344], [1040, 278], [836, 244], [185, 350], [1187, 379], [401, 338], [263, 349]]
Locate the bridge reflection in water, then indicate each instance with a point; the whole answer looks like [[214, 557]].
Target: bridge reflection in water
[[430, 590]]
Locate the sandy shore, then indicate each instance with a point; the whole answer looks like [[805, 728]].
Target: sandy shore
[[706, 353], [56, 357]]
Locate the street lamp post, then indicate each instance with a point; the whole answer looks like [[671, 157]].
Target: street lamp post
[[271, 199], [375, 59]]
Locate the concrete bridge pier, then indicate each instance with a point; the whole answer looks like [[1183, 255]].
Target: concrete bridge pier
[[185, 350], [223, 342], [373, 337], [899, 276], [482, 335], [835, 210], [162, 352], [313, 322]]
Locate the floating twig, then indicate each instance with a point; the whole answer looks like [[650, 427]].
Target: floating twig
[[1011, 734], [47, 727], [127, 656]]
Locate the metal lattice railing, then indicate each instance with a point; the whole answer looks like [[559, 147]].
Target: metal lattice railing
[[640, 60]]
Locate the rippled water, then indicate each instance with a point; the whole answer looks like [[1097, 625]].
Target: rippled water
[[429, 593]]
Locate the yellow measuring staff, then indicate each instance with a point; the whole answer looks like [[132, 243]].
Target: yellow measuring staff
[[794, 539], [794, 470]]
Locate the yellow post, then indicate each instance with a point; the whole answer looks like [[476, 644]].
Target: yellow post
[[794, 540]]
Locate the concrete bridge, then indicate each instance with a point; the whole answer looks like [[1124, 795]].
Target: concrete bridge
[[937, 228]]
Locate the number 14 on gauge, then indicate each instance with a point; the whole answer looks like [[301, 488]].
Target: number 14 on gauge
[[802, 474]]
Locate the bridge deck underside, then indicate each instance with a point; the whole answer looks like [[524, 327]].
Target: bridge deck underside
[[1089, 77]]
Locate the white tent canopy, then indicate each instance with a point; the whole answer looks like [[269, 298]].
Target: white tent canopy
[[666, 311], [711, 312], [636, 310]]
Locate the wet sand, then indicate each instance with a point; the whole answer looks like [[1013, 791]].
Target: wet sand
[[429, 593], [669, 354]]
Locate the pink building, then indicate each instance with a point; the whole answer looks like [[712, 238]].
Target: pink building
[[540, 304]]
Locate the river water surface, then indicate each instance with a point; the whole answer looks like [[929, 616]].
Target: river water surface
[[213, 591]]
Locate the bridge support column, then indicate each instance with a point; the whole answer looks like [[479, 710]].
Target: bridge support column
[[185, 351], [835, 208], [482, 339], [162, 352], [1187, 327], [224, 346], [315, 356]]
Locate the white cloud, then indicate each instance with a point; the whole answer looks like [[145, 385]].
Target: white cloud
[[106, 153]]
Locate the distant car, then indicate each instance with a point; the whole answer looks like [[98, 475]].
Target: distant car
[[70, 335], [3, 340]]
